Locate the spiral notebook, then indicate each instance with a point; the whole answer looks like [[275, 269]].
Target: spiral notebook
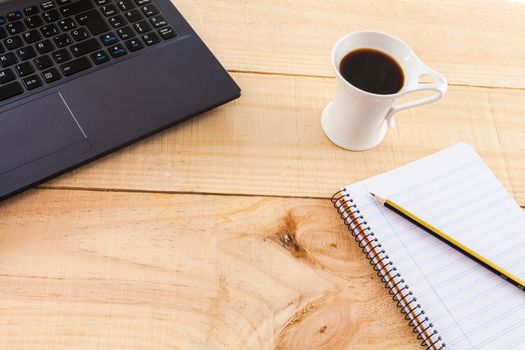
[[450, 301]]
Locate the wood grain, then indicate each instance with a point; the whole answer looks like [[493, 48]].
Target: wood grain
[[86, 270], [471, 42], [270, 142], [131, 270]]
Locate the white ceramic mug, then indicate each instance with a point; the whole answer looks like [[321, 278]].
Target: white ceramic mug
[[357, 120]]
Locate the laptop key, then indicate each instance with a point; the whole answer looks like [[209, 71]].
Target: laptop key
[[8, 59], [125, 5], [10, 90], [158, 21], [44, 47], [6, 75], [24, 69], [32, 36], [134, 15], [125, 33], [76, 7], [51, 75], [142, 27], [67, 24], [61, 56], [94, 21], [3, 32], [43, 62], [32, 82], [117, 51], [85, 47], [109, 10], [79, 34], [51, 16], [46, 5], [26, 53], [151, 38], [117, 21], [149, 10], [49, 30], [15, 27], [31, 10], [108, 39], [13, 42], [134, 44], [167, 33], [62, 40], [100, 57], [33, 21], [142, 2], [75, 66]]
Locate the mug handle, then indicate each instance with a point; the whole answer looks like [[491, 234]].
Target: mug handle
[[439, 87]]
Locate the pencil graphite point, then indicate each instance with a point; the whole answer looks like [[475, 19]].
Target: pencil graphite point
[[378, 199]]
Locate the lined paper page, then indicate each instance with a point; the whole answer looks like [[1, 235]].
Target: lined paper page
[[455, 191]]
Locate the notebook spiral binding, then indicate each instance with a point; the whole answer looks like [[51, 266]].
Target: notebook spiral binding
[[387, 271]]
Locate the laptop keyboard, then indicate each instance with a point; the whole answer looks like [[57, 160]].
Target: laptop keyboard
[[53, 39]]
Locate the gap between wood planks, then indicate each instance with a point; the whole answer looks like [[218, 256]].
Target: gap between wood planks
[[240, 71], [126, 190], [119, 190]]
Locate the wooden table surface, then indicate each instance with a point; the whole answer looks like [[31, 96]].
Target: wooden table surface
[[218, 233]]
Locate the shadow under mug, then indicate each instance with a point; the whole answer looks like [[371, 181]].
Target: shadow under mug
[[357, 120]]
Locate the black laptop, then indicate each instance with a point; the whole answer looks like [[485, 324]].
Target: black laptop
[[82, 78]]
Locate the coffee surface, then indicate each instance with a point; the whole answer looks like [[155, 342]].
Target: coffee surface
[[372, 71]]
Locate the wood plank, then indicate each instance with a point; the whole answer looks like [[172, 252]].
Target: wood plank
[[85, 270], [471, 42], [270, 142]]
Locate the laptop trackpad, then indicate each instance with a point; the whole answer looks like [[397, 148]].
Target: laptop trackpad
[[36, 130]]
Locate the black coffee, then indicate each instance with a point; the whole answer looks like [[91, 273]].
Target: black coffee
[[372, 71]]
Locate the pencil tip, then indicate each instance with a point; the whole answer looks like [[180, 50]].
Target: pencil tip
[[378, 199]]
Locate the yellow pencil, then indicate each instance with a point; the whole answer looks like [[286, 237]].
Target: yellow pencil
[[450, 241]]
